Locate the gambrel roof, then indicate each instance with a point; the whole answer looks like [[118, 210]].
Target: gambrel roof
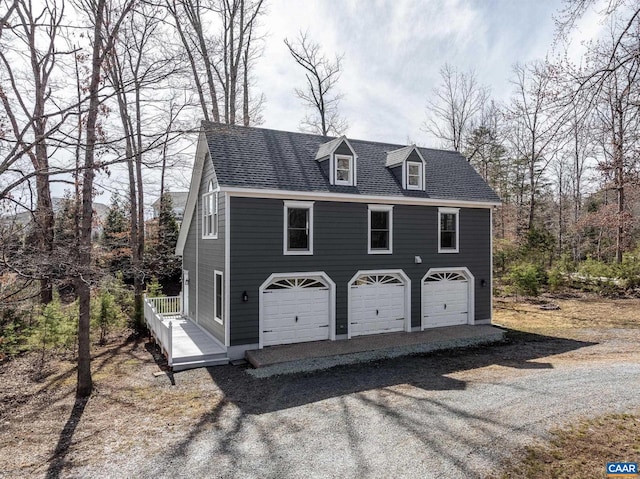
[[258, 158]]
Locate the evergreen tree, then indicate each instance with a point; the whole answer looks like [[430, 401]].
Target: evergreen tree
[[115, 239], [162, 261]]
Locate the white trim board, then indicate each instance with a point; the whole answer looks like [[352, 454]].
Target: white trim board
[[352, 198]]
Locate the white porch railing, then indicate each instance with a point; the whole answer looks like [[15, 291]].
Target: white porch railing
[[167, 305], [155, 309]]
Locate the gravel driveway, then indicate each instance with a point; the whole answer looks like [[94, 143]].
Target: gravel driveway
[[442, 415]]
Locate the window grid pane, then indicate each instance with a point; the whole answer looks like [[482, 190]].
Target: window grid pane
[[414, 175], [448, 231], [379, 230], [298, 229], [343, 169]]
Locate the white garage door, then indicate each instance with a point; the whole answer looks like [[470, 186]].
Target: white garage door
[[295, 310], [377, 304], [445, 300]]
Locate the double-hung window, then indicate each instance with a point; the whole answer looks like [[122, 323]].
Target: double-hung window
[[210, 213], [448, 230], [344, 170], [298, 227], [414, 175], [380, 235]]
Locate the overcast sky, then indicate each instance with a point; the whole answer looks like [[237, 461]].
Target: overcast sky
[[393, 51]]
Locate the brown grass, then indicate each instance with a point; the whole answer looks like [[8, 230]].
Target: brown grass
[[581, 450], [588, 312]]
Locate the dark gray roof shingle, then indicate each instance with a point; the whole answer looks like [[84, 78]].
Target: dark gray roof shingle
[[259, 158]]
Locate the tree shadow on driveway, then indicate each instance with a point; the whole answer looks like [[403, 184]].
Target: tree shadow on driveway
[[428, 371], [362, 394]]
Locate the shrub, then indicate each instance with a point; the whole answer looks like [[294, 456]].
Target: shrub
[[154, 288], [526, 278], [105, 314], [556, 278], [629, 270], [55, 327]]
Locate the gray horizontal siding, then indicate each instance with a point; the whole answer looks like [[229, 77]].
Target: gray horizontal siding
[[340, 249], [202, 257]]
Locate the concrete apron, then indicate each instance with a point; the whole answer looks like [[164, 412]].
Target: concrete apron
[[317, 355]]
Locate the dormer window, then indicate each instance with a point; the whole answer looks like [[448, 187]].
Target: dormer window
[[344, 170], [338, 161], [408, 166], [414, 175]]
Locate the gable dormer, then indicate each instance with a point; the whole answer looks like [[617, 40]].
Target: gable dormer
[[339, 162], [408, 166]]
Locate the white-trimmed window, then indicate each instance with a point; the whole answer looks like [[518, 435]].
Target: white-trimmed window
[[298, 227], [415, 179], [218, 295], [448, 230], [344, 170], [380, 237], [210, 213]]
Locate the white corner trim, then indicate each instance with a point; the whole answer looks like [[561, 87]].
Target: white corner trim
[[227, 270], [407, 294], [490, 265], [455, 211], [332, 299], [285, 216], [388, 209], [471, 291]]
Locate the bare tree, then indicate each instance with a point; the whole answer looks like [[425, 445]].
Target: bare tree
[[220, 60], [136, 70], [535, 119], [618, 117], [625, 16], [106, 19], [32, 113], [456, 103], [319, 94]]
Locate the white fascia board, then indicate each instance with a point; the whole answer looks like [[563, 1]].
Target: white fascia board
[[194, 191], [352, 198]]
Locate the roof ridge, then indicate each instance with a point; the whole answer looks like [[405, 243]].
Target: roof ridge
[[330, 138]]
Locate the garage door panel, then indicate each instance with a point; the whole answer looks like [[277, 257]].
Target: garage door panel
[[445, 300], [377, 304], [297, 311], [445, 320]]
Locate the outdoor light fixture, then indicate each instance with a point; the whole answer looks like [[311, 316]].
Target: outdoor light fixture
[[245, 297], [483, 283]]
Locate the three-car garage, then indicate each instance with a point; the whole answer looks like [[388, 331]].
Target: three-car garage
[[300, 307]]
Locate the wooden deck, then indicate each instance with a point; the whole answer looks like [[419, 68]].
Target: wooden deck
[[185, 344]]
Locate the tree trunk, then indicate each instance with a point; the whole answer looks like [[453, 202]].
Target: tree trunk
[[85, 382]]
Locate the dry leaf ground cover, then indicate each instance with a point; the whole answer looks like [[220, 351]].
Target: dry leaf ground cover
[[131, 411]]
